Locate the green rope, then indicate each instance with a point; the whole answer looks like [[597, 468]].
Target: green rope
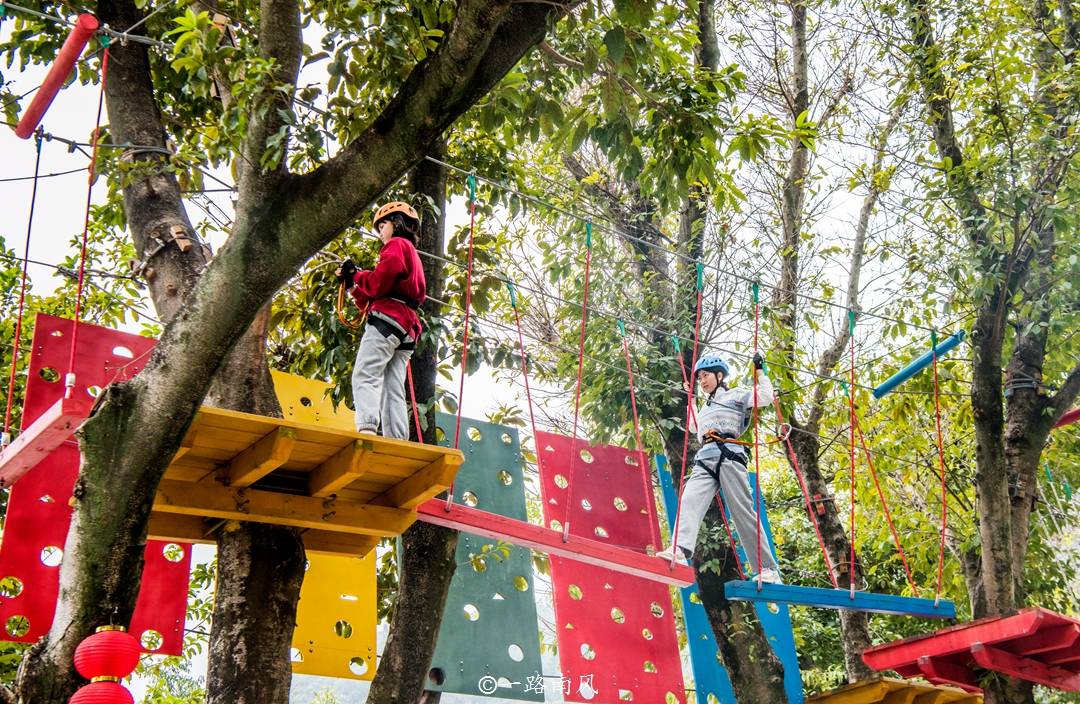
[[513, 294], [472, 188], [622, 327], [588, 234]]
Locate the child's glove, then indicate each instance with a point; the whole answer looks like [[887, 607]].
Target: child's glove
[[346, 273], [759, 361]]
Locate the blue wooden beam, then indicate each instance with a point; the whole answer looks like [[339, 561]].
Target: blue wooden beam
[[839, 599], [918, 364]]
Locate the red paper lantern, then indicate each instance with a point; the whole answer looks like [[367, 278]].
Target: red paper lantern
[[104, 692], [110, 652]]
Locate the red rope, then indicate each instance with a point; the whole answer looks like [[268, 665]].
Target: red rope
[[885, 507], [525, 372], [577, 389], [851, 412], [686, 435], [757, 455], [654, 529], [412, 397], [465, 333], [6, 438], [941, 466], [69, 380], [806, 496]]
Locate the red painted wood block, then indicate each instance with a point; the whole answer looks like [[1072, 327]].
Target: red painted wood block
[[546, 540], [1033, 644], [615, 631], [39, 513]]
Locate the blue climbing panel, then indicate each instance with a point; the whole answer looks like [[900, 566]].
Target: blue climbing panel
[[839, 599], [489, 641], [710, 677]]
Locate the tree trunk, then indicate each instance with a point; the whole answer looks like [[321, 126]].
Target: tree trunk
[[137, 428], [428, 553]]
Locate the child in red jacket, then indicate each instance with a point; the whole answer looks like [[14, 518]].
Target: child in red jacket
[[391, 293]]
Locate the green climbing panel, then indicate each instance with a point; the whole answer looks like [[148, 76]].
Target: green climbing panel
[[489, 642]]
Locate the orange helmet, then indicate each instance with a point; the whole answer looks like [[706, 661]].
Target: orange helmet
[[395, 206]]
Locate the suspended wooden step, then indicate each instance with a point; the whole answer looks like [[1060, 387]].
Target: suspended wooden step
[[889, 690], [819, 598], [51, 429], [551, 542], [1033, 644]]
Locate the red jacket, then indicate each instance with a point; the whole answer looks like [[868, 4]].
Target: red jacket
[[398, 279]]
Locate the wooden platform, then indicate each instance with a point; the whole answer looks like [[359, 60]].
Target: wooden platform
[[889, 690], [344, 487], [1033, 644], [817, 597]]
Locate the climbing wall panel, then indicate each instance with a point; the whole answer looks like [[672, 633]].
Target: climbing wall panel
[[710, 676], [335, 620], [489, 641], [39, 513], [616, 633], [337, 614]]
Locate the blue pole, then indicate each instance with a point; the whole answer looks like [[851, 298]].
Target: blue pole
[[922, 362]]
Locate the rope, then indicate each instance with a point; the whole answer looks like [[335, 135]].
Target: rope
[[339, 309], [806, 495], [654, 529], [885, 507], [69, 379], [577, 387], [524, 369], [465, 333], [412, 397], [689, 415], [754, 415], [941, 466], [5, 439], [851, 412]]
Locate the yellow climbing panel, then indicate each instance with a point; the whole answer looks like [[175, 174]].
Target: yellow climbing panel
[[888, 690], [310, 470], [335, 622]]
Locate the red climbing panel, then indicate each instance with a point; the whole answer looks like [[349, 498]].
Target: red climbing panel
[[1034, 644], [39, 514], [616, 632]]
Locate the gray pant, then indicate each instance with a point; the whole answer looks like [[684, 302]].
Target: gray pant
[[734, 486], [378, 383]]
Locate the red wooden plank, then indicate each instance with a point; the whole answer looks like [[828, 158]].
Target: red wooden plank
[[1068, 418], [1025, 668], [529, 535], [941, 671], [51, 429], [1033, 644]]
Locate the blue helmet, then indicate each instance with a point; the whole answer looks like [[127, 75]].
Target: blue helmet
[[712, 363]]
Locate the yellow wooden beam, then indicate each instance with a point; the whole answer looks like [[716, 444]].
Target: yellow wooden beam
[[321, 542], [211, 500], [174, 526], [260, 459], [433, 479], [341, 470], [189, 439]]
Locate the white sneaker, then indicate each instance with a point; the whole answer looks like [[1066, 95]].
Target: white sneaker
[[769, 575], [673, 554]]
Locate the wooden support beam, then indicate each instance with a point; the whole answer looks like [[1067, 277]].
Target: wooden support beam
[[195, 529], [427, 483], [1007, 663], [189, 439], [342, 469], [48, 431], [260, 459], [943, 671], [211, 500]]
